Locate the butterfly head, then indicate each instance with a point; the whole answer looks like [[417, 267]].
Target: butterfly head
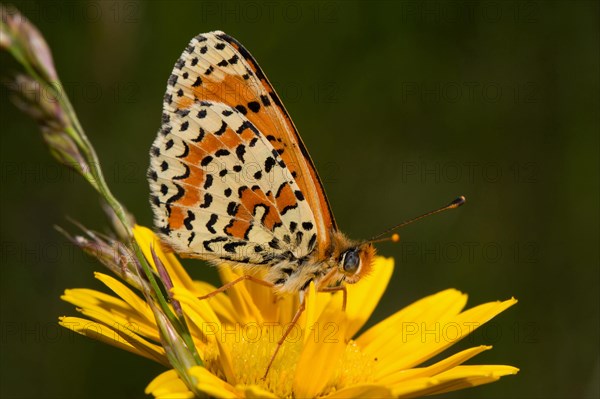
[[356, 262]]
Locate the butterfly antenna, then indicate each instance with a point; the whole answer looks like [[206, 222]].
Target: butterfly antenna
[[395, 237]]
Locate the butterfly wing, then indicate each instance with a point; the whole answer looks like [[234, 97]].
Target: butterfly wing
[[223, 177], [269, 114]]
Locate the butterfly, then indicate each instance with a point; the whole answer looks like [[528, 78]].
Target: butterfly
[[231, 181]]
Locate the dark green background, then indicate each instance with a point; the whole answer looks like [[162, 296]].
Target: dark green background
[[403, 106]]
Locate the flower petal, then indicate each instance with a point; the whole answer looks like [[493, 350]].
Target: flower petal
[[120, 339], [437, 368], [212, 385], [136, 303], [432, 337], [168, 385], [240, 297], [364, 297], [362, 391], [256, 392], [456, 378], [220, 303], [309, 316], [111, 311], [447, 302], [326, 345], [205, 323]]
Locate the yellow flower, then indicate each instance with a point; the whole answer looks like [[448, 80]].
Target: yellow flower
[[236, 333]]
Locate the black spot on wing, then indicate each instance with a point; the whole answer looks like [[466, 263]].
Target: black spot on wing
[[307, 226], [206, 160], [207, 243], [288, 208], [247, 125], [209, 225], [207, 200], [269, 163], [186, 150], [240, 151], [232, 208], [189, 219], [299, 236], [265, 100], [222, 129], [208, 181], [178, 195], [184, 175], [200, 137], [311, 242], [231, 246], [254, 106], [191, 238]]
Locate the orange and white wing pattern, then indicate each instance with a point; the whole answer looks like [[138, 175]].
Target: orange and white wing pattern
[[229, 176]]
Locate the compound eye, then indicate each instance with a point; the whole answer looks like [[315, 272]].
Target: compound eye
[[351, 261]]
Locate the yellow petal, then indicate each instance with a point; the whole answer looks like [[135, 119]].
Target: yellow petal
[[362, 391], [446, 334], [364, 297], [205, 323], [127, 295], [146, 239], [220, 303], [437, 368], [176, 395], [433, 307], [263, 297], [287, 305], [457, 378], [211, 384], [309, 314], [321, 353], [240, 297], [256, 392], [110, 310], [168, 385], [108, 335]]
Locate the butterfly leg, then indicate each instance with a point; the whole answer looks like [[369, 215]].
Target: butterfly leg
[[284, 336], [230, 284], [335, 289]]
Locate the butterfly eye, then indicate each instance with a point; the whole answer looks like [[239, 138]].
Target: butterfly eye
[[351, 261]]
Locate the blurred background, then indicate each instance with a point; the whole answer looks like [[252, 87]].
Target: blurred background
[[402, 105]]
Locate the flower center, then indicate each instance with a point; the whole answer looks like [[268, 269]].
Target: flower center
[[251, 352]]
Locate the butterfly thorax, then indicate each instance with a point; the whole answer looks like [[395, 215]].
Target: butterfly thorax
[[343, 261]]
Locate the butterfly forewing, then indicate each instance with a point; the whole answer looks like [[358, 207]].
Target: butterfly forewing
[[228, 176]]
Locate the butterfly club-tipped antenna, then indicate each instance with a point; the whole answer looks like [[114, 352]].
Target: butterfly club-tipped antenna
[[396, 237]]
